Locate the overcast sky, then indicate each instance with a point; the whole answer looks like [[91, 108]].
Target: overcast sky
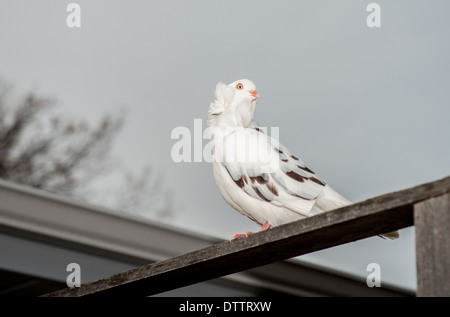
[[366, 108]]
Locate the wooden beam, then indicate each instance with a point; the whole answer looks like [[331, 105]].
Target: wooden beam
[[374, 216], [432, 222]]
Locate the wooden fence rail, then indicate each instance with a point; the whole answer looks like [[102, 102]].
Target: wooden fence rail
[[426, 206]]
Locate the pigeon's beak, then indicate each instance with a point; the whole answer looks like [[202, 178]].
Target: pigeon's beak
[[254, 94]]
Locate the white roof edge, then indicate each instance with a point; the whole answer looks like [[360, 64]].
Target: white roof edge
[[32, 210]]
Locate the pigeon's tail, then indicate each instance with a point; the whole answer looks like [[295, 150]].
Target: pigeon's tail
[[390, 235], [332, 200]]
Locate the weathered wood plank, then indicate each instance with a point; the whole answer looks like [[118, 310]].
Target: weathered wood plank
[[432, 222], [374, 216]]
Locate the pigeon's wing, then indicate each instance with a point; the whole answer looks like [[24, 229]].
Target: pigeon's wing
[[272, 174]]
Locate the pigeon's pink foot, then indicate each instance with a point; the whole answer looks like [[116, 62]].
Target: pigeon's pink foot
[[239, 235], [265, 226]]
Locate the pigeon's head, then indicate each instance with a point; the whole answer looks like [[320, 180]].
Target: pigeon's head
[[234, 104], [244, 89]]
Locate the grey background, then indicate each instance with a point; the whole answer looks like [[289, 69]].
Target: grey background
[[366, 108]]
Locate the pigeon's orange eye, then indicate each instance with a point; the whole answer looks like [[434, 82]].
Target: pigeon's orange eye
[[239, 86]]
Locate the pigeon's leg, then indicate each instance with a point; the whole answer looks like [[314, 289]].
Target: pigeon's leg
[[265, 226], [240, 235]]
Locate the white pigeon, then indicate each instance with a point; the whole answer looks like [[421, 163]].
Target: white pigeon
[[255, 174]]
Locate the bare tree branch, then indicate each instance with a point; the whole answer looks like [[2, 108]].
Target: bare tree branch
[[62, 156]]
